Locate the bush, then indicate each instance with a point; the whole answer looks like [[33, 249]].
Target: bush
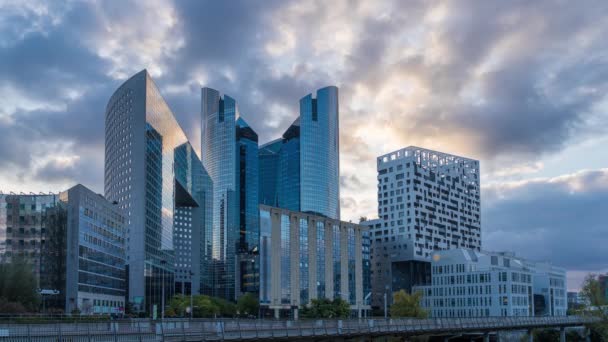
[[325, 308]]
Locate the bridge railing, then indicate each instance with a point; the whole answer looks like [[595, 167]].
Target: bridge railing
[[226, 329]]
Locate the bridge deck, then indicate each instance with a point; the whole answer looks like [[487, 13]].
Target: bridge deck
[[242, 330]]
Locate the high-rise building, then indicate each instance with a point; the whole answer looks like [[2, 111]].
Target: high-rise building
[[427, 201], [305, 256], [85, 255], [23, 227], [229, 148], [152, 177], [469, 283], [301, 170]]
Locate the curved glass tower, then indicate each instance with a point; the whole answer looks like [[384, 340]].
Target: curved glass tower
[[229, 149], [153, 176], [305, 162], [320, 153]]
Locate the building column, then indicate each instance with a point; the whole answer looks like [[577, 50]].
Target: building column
[[562, 334], [296, 316], [276, 313], [486, 337], [530, 335]]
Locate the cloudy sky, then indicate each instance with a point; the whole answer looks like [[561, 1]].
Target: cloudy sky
[[519, 85]]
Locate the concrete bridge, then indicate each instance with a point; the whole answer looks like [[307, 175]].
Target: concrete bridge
[[178, 330]]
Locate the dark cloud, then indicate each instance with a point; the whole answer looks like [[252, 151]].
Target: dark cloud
[[562, 220]]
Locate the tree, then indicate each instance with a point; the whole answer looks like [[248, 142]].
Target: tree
[[407, 305], [325, 308], [362, 219], [177, 306], [248, 305], [598, 305], [18, 284]]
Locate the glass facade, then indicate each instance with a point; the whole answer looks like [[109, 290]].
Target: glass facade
[[320, 260], [319, 153], [351, 266], [306, 160], [366, 265], [285, 260], [229, 149], [305, 257], [141, 175], [269, 154], [336, 242], [23, 227], [304, 276], [265, 240]]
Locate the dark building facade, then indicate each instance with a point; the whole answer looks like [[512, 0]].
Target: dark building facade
[[229, 148]]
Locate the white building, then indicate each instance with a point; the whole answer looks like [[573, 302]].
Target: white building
[[427, 201], [469, 283]]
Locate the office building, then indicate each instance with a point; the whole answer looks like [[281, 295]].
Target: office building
[[151, 180], [85, 254], [469, 283], [301, 170], [229, 148], [23, 227], [427, 201], [305, 256]]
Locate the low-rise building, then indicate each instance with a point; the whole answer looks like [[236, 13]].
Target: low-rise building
[[84, 258], [469, 283], [305, 256]]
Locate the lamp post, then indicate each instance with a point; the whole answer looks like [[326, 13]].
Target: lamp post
[[191, 304], [162, 309]]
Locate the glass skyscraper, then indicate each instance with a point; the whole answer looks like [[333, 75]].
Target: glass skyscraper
[[301, 170], [150, 179], [229, 148]]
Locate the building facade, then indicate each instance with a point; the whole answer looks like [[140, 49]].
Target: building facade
[[305, 256], [229, 148], [427, 201], [142, 175], [94, 240], [23, 228], [305, 161], [469, 283]]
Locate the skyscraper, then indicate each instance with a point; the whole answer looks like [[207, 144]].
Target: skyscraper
[[151, 177], [306, 159], [229, 148], [427, 201]]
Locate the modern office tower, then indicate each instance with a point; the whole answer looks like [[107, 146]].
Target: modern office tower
[[305, 256], [23, 229], [191, 231], [469, 283], [229, 149], [427, 201], [147, 174], [305, 161], [84, 257]]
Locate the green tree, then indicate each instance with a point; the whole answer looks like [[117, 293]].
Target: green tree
[[18, 284], [325, 308], [597, 305], [204, 307], [177, 306], [407, 305], [248, 305], [226, 308]]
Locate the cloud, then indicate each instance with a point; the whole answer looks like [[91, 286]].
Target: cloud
[[512, 91], [560, 219]]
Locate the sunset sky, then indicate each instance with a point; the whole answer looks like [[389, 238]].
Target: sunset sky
[[520, 85]]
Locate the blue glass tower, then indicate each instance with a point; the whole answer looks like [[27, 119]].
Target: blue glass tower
[[305, 161], [229, 149]]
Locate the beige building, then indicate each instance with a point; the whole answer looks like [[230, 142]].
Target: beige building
[[305, 256]]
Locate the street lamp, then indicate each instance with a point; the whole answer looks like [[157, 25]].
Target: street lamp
[[162, 309]]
